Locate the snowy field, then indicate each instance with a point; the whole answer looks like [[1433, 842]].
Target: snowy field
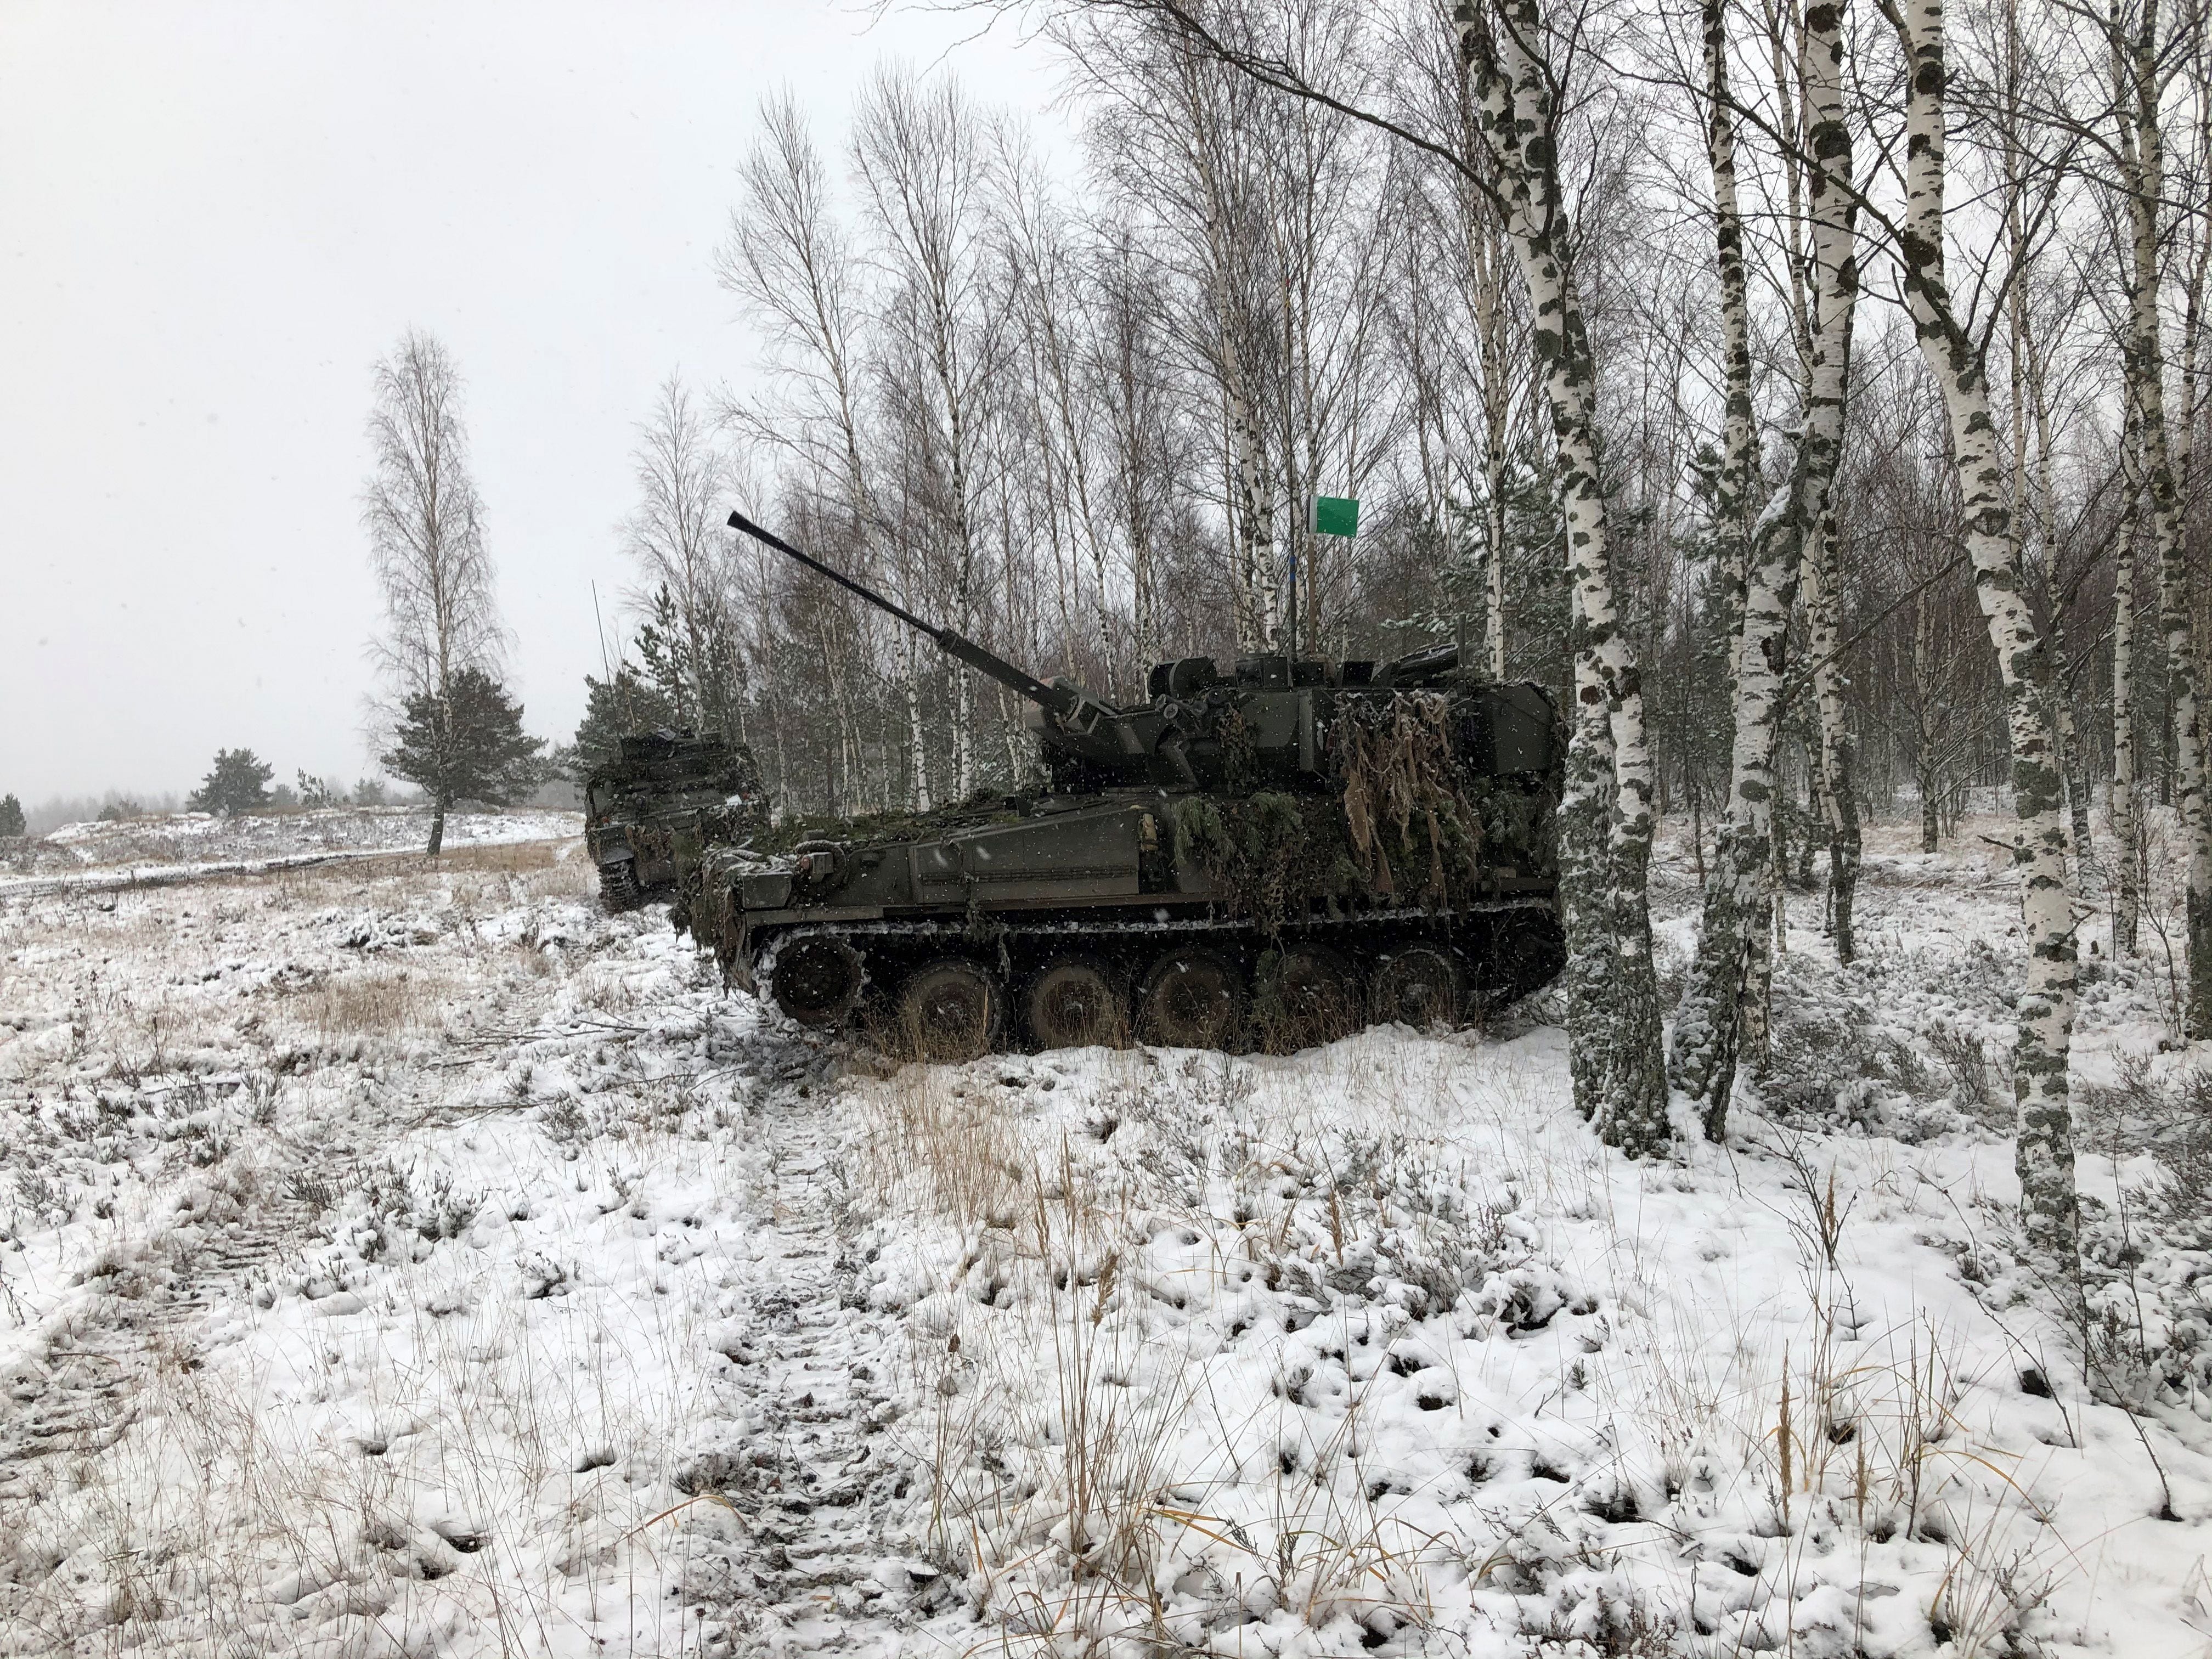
[[408, 1261], [177, 845]]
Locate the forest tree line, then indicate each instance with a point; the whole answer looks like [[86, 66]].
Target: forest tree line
[[1810, 395], [1078, 418]]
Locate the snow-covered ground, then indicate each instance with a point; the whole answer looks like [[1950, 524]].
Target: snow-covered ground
[[180, 845], [400, 1260]]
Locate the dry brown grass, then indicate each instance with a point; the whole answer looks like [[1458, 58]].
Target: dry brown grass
[[944, 1125], [510, 857], [499, 876], [531, 959], [527, 869], [376, 1002]]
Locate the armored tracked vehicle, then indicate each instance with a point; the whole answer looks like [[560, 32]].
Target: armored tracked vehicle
[[664, 797], [1268, 856]]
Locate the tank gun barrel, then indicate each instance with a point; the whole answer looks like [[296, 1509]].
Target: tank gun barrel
[[1058, 699]]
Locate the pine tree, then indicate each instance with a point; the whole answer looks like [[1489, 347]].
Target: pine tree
[[697, 676], [11, 817], [239, 783], [614, 708], [466, 745]]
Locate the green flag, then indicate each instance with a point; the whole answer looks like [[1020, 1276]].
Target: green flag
[[1333, 516]]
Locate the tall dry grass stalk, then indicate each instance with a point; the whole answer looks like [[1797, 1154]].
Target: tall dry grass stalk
[[1848, 1431], [375, 1002], [1072, 1458]]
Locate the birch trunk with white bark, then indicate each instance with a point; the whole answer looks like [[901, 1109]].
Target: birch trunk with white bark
[[917, 736], [1707, 1026], [1252, 567], [1487, 264], [1737, 486], [2074, 765], [790, 260], [1927, 776], [2044, 1150], [2144, 168], [1260, 600], [1612, 988], [1823, 610], [2127, 836]]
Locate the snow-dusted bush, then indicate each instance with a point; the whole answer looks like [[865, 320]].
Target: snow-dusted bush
[[2144, 1326]]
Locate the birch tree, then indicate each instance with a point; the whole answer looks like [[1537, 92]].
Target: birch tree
[[1487, 260], [1329, 259], [918, 152], [1130, 372], [1822, 579], [794, 264], [2140, 81], [1044, 266], [676, 537], [1219, 171], [2127, 835], [1707, 1026], [1472, 387], [1619, 1079], [2043, 1153], [1737, 485], [425, 525], [1824, 643]]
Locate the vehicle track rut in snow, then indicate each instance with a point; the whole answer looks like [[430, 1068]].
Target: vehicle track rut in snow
[[149, 1299], [81, 1393], [801, 1455]]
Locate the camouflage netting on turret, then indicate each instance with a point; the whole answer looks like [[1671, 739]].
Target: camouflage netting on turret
[[1406, 821], [1402, 792]]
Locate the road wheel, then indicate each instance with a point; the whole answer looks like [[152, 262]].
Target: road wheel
[[1311, 997], [1527, 952], [816, 980], [1075, 1004], [950, 1009], [1418, 986], [1193, 998]]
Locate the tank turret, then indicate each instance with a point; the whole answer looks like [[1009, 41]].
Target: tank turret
[[1274, 852], [1259, 725]]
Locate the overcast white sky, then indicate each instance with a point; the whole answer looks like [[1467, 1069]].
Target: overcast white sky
[[214, 216]]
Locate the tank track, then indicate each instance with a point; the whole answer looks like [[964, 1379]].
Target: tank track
[[618, 887], [976, 938]]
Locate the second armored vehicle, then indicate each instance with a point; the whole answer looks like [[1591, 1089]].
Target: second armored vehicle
[[1273, 856], [661, 799]]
